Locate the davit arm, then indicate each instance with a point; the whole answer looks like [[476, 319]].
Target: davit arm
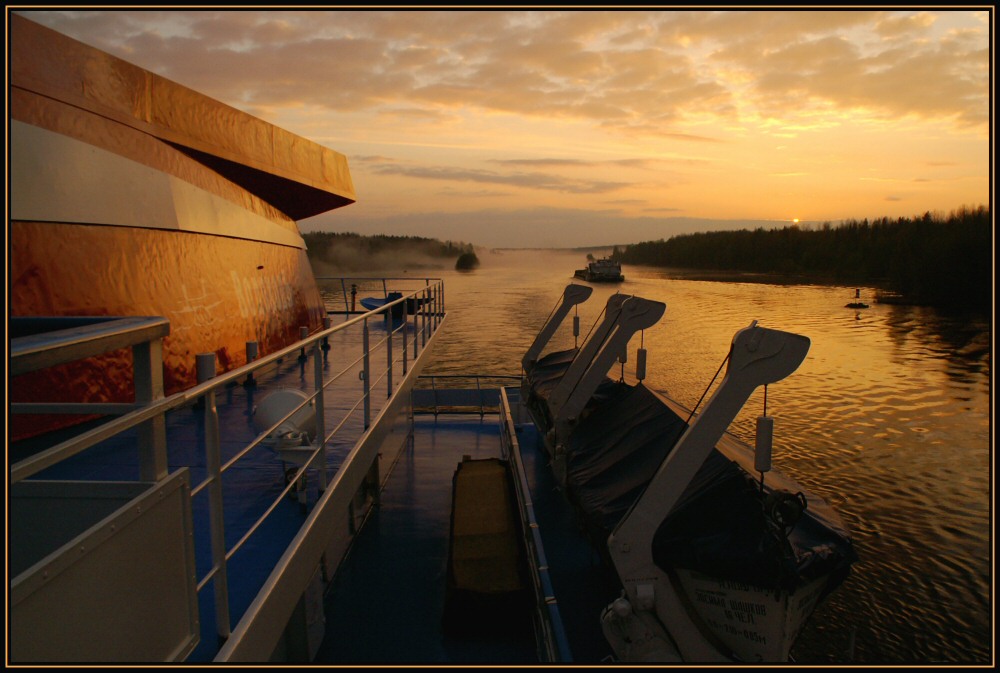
[[573, 294], [626, 316], [758, 356]]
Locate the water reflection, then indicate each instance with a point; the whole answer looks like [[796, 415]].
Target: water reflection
[[887, 419], [964, 341]]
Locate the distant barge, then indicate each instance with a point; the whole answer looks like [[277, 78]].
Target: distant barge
[[604, 270]]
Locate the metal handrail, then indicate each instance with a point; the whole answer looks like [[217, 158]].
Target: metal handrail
[[52, 341], [378, 279], [34, 464], [429, 314], [553, 631], [477, 379], [505, 377], [81, 338]]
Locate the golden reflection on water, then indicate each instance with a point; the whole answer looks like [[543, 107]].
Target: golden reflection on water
[[887, 419]]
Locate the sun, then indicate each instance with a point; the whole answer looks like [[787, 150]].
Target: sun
[[795, 220]]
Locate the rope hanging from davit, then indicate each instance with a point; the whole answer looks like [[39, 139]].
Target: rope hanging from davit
[[763, 443], [640, 357]]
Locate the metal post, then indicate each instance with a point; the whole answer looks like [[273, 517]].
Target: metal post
[[147, 372], [435, 317], [365, 374], [204, 366], [213, 466], [437, 307], [326, 340], [423, 322], [320, 416], [406, 326], [251, 356], [416, 333], [388, 355]]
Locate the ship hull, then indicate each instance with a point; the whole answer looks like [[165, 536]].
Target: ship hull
[[584, 274], [218, 294], [759, 623], [131, 195]]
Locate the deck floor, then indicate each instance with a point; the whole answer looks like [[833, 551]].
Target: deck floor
[[251, 485], [387, 602], [583, 584]]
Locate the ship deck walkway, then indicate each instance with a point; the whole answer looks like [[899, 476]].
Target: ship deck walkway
[[387, 603]]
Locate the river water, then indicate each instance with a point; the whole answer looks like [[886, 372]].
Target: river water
[[888, 419]]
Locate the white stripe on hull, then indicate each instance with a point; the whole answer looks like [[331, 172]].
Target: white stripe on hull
[[55, 178]]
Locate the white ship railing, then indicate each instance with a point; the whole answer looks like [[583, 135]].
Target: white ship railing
[[460, 393], [57, 341], [260, 629], [553, 641], [351, 286]]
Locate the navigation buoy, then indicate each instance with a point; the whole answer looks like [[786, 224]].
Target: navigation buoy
[[857, 303]]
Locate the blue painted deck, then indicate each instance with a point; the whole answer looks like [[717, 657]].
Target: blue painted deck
[[387, 601], [251, 485]]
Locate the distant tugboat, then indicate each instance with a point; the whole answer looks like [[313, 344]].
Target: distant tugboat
[[604, 270], [857, 303]]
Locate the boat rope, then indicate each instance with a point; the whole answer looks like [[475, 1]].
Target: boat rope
[[600, 315], [604, 340], [765, 415], [724, 361], [552, 310]]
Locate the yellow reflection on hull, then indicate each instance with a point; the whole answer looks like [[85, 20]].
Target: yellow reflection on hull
[[217, 292]]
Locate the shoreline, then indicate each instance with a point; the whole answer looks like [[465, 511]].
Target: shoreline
[[881, 295]]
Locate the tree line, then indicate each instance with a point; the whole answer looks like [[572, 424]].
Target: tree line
[[929, 259]]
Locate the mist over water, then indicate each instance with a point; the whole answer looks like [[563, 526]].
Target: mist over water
[[355, 257], [888, 419]]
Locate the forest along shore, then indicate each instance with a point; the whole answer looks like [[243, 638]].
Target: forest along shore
[[944, 262]]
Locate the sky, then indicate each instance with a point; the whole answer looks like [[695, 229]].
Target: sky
[[574, 128]]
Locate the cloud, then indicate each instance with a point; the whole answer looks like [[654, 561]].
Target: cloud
[[552, 162], [585, 120], [535, 180], [642, 72]]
